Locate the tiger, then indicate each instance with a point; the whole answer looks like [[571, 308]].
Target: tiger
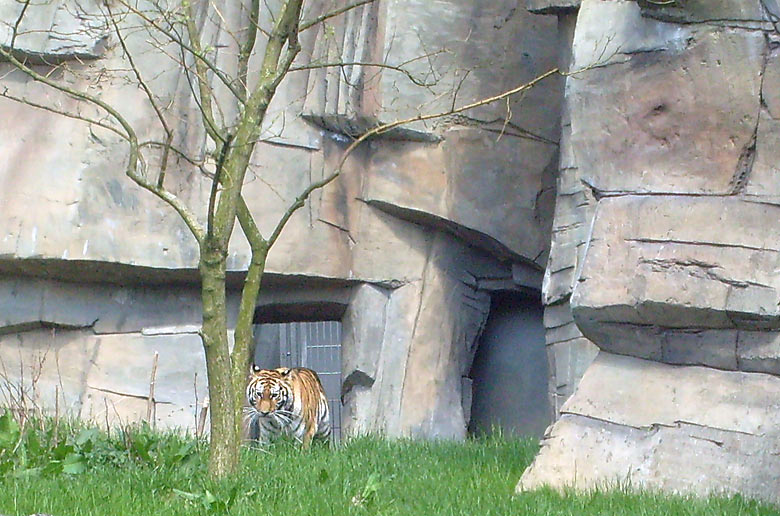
[[287, 401]]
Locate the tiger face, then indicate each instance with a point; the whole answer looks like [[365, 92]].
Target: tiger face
[[267, 392]]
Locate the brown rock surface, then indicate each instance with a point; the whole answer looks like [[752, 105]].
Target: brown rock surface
[[433, 218], [664, 251], [681, 429]]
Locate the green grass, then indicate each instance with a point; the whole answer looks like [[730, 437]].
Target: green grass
[[83, 472]]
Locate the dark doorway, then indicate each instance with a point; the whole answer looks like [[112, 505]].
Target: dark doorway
[[510, 373]]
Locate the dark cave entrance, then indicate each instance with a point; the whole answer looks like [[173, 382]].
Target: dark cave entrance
[[510, 369]]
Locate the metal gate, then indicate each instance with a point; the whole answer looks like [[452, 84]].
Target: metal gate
[[316, 345]]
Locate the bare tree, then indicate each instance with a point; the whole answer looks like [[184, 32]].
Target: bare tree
[[249, 78]]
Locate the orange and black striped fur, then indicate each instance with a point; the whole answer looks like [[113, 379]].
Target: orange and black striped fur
[[287, 401]]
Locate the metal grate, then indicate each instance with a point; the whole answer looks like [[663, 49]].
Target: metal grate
[[316, 345]]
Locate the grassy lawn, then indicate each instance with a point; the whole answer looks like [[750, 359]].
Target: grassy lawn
[[84, 472]]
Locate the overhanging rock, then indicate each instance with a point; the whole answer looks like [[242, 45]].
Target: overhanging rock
[[53, 32]]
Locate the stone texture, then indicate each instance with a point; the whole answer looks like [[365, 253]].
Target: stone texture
[[569, 352], [464, 188], [663, 248], [567, 361], [118, 393], [697, 11], [759, 351], [633, 422], [552, 6], [105, 378], [57, 360], [72, 224], [53, 32], [105, 309], [645, 122], [762, 185], [404, 351], [413, 217], [715, 270]]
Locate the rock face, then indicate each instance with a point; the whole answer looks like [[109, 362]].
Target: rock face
[[405, 249], [664, 251], [681, 429], [53, 32]]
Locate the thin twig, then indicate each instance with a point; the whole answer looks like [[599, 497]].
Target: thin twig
[[92, 121], [215, 183], [149, 96], [319, 19], [342, 64], [131, 169], [56, 414], [175, 38], [17, 24], [300, 201]]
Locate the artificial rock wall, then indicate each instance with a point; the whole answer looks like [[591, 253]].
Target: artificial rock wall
[[665, 249], [408, 245], [652, 222]]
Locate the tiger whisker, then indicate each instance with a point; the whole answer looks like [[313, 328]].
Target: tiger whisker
[[281, 418]]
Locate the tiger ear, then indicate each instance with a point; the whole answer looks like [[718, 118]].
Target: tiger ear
[[284, 371], [256, 368]]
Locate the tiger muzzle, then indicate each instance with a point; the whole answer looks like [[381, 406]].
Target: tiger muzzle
[[264, 407]]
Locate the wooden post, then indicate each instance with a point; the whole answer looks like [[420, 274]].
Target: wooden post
[[150, 408], [204, 412]]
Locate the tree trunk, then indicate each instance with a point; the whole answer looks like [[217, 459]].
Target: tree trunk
[[243, 349], [225, 437]]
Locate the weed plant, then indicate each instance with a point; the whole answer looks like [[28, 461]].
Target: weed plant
[[72, 469]]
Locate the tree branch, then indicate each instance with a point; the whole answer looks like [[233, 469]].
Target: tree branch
[[15, 31], [245, 50], [341, 64], [75, 116], [300, 201], [272, 71], [180, 153], [132, 165], [243, 347], [215, 183], [149, 96], [175, 38], [201, 74], [332, 14]]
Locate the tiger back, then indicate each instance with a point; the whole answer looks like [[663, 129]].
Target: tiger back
[[287, 401]]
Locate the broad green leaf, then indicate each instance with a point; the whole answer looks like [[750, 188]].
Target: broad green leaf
[[209, 498], [9, 431], [86, 439], [54, 467], [62, 450], [74, 464], [33, 443], [189, 496]]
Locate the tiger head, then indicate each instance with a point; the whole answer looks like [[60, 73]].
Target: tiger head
[[268, 391]]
